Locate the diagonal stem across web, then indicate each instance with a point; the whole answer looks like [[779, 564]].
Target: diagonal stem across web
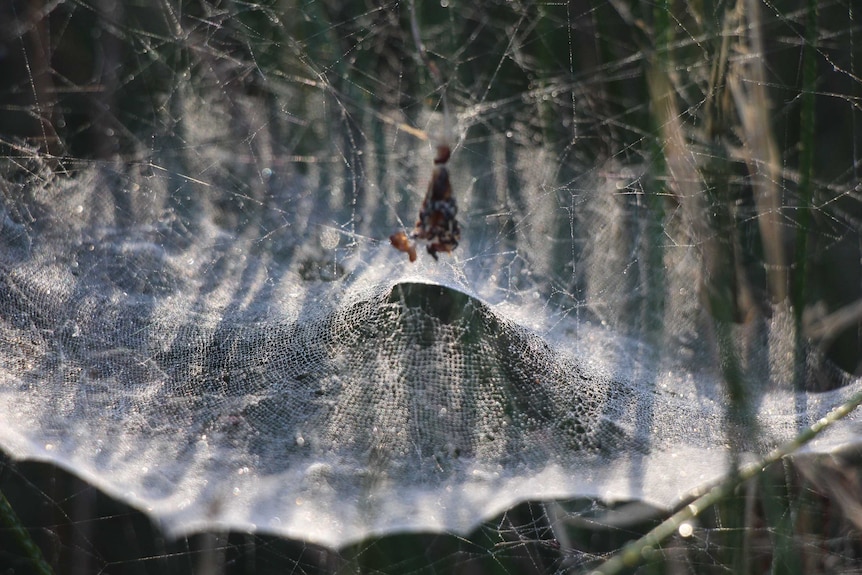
[[639, 551]]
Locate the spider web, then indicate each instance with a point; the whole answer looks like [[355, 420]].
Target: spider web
[[201, 315]]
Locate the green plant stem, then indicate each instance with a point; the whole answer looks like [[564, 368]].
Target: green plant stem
[[644, 548], [10, 522], [806, 159]]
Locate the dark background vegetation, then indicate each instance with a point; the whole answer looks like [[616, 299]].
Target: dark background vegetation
[[96, 80]]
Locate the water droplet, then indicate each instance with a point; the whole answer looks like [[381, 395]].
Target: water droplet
[[686, 529]]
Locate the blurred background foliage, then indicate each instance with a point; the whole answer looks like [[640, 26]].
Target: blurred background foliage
[[750, 107], [764, 98]]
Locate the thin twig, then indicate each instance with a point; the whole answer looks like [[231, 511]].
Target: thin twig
[[639, 551]]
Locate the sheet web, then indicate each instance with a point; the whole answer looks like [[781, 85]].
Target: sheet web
[[201, 314]]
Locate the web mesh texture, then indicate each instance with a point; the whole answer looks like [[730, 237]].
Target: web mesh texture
[[215, 381]]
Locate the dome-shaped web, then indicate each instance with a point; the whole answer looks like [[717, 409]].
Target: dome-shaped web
[[329, 394]]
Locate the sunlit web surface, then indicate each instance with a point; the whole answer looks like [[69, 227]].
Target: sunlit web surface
[[202, 316]]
